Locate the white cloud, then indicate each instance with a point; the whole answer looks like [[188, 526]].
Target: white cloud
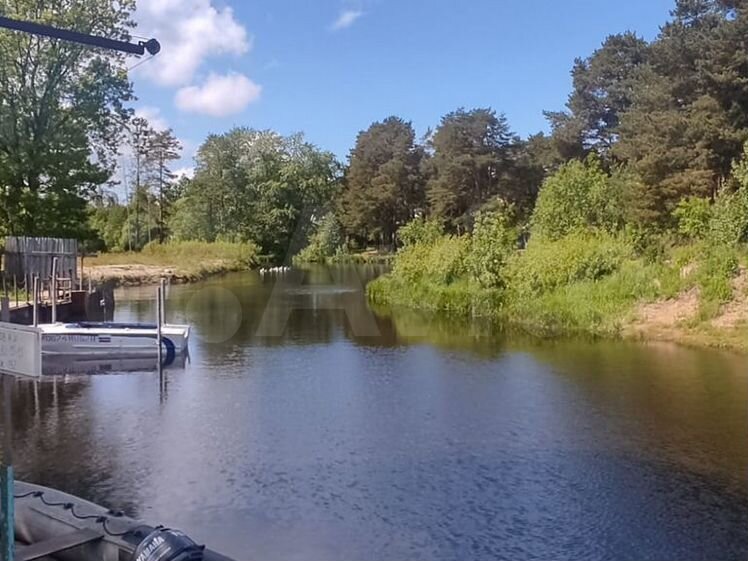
[[153, 116], [219, 95], [346, 19], [188, 172], [190, 31]]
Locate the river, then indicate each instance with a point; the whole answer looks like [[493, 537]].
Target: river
[[306, 427]]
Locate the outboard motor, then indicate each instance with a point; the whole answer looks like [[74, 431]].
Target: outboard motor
[[168, 545]]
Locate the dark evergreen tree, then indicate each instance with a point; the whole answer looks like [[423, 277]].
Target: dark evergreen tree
[[384, 186], [474, 157]]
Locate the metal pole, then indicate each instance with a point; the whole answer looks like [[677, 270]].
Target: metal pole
[[35, 299], [159, 322], [151, 46], [163, 301], [54, 290], [7, 513]]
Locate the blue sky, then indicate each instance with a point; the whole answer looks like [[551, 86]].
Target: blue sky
[[330, 68]]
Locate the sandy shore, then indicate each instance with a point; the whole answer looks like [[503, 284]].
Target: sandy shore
[[139, 274]]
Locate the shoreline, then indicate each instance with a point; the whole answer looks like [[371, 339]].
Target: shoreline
[[664, 321], [135, 274], [674, 320]]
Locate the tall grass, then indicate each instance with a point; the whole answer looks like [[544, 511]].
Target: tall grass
[[188, 259], [582, 283]]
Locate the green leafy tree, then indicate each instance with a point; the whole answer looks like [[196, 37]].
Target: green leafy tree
[[326, 242], [60, 116], [578, 196], [257, 186]]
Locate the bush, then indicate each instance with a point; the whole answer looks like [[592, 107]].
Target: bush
[[420, 231], [597, 307], [715, 273], [546, 265], [324, 244], [492, 243], [440, 262], [694, 215], [578, 196], [729, 223]]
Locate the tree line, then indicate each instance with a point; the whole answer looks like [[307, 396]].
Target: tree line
[[663, 119]]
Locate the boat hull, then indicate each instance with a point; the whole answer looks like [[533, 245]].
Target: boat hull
[[38, 520], [112, 340]]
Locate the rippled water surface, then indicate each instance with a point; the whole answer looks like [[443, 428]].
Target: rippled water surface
[[304, 427]]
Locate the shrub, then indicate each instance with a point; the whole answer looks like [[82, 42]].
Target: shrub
[[420, 231], [546, 265], [441, 261], [716, 270], [578, 196], [729, 223], [694, 215], [492, 243], [325, 243]]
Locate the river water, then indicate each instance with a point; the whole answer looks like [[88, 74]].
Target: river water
[[306, 427]]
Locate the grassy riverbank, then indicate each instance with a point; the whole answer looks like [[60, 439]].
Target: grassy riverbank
[[588, 268], [677, 298], [179, 262]]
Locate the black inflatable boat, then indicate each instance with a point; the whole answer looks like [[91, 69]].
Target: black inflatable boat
[[53, 525]]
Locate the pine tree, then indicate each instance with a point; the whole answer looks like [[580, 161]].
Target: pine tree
[[384, 186]]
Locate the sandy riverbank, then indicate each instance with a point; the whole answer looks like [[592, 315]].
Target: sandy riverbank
[[135, 274], [677, 320]]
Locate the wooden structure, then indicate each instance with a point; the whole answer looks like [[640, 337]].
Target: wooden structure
[[26, 258]]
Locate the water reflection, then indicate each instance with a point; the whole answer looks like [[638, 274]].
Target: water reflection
[[433, 440]]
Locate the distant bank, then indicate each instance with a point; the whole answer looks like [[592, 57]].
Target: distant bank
[[180, 262]]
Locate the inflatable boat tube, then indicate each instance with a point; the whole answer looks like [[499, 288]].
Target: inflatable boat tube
[[46, 519]]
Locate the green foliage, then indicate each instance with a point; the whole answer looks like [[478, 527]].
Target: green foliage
[[441, 262], [476, 157], [61, 113], [716, 269], [384, 184], [420, 231], [598, 307], [547, 265], [492, 243], [108, 222], [694, 215], [601, 93], [324, 244], [729, 223], [578, 196], [258, 186]]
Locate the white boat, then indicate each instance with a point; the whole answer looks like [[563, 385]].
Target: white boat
[[112, 339]]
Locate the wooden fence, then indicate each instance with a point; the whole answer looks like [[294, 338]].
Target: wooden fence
[[24, 258]]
